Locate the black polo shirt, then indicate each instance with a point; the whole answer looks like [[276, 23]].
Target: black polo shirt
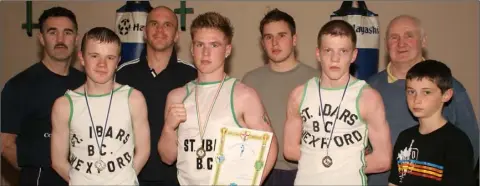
[[27, 101], [155, 89]]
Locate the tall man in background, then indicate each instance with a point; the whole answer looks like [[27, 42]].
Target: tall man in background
[[157, 73], [275, 80]]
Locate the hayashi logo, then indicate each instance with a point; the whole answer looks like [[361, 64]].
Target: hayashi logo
[[366, 29]]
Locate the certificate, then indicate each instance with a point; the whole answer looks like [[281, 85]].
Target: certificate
[[240, 156]]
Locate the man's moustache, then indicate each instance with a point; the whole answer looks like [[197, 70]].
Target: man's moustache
[[61, 45]]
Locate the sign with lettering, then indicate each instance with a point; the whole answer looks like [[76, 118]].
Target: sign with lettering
[[366, 25], [129, 25]]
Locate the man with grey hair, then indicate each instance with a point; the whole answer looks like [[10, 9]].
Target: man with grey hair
[[406, 40]]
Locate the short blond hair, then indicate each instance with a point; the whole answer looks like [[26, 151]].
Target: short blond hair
[[213, 20]]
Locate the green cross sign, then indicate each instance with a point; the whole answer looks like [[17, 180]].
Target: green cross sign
[[183, 11], [29, 25]]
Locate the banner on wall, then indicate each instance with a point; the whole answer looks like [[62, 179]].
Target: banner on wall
[[366, 25], [130, 22]]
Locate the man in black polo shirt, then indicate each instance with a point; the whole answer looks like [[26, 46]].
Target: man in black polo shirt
[[156, 73], [28, 97]]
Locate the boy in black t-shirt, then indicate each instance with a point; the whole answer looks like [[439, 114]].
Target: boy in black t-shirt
[[435, 152]]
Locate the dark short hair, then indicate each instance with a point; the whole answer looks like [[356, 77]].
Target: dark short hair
[[102, 34], [433, 70], [215, 21], [57, 12], [278, 15], [338, 28]]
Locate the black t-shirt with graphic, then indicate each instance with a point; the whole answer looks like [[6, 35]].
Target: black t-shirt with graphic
[[442, 157]]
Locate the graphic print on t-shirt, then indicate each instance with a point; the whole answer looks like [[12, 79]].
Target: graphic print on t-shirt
[[192, 142], [116, 157], [333, 129], [408, 164], [315, 140], [101, 149]]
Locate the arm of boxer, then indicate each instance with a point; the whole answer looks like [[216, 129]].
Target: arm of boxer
[[141, 129], [249, 107], [174, 114], [293, 125], [60, 137], [372, 112], [391, 184]]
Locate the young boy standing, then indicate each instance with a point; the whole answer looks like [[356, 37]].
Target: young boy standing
[[334, 115], [435, 152], [195, 113], [100, 131]]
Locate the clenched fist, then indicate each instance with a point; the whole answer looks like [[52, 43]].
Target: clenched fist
[[176, 114]]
